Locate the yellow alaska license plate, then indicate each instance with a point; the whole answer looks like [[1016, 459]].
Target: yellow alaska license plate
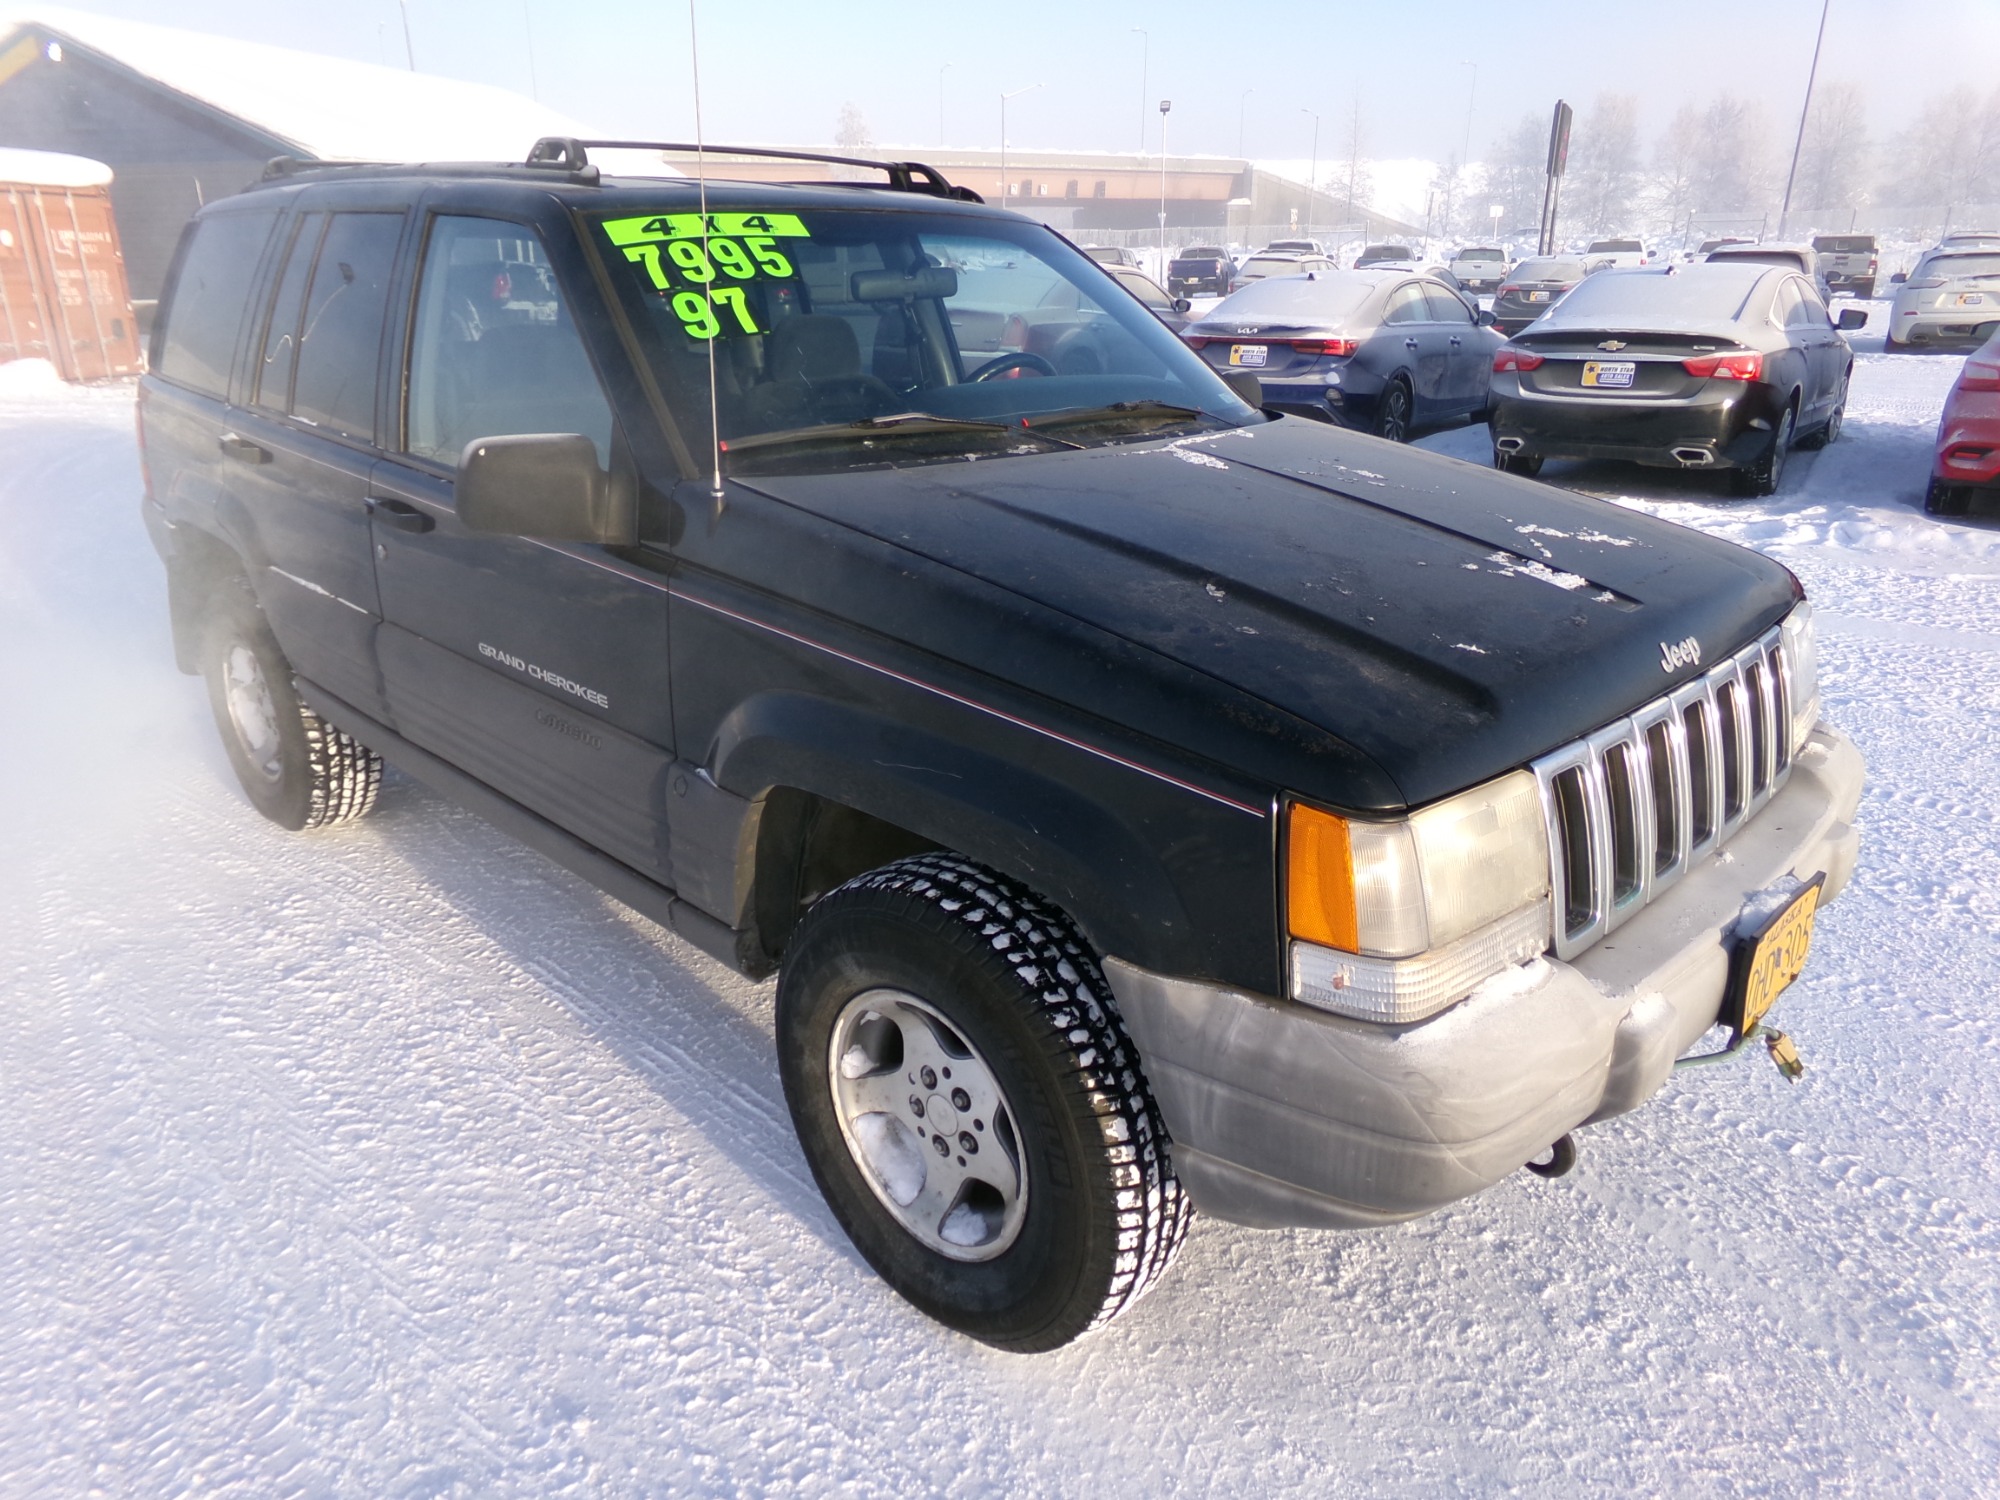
[[1774, 958]]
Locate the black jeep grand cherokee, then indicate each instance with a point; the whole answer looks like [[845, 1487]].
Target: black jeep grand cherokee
[[1144, 802]]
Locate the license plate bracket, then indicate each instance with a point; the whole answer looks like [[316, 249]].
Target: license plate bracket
[[1768, 957], [1249, 356], [1609, 374]]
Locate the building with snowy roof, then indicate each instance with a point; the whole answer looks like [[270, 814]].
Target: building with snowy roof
[[181, 117]]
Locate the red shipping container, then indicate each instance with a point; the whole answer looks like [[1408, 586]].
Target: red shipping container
[[63, 295]]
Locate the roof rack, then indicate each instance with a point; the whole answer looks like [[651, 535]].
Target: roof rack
[[567, 153]]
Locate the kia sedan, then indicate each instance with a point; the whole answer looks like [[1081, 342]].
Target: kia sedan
[[1383, 351], [1717, 367]]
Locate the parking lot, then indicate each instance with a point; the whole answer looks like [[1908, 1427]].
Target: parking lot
[[396, 1161]]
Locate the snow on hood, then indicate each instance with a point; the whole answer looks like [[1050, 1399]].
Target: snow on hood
[[51, 169], [325, 107]]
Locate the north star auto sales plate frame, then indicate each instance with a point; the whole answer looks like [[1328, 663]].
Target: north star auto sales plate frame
[[1767, 958], [1609, 374]]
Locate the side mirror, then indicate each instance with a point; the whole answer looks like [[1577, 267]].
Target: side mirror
[[1485, 317], [1898, 279], [1246, 387], [545, 485], [1853, 318], [1183, 305]]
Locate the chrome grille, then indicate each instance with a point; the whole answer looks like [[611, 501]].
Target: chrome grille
[[1631, 808]]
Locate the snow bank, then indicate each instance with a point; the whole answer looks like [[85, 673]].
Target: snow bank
[[51, 169], [29, 379], [322, 106]]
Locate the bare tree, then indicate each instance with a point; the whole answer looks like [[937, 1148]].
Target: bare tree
[[1732, 166], [1834, 158], [1602, 187], [1516, 170], [1674, 163], [851, 134], [1950, 155]]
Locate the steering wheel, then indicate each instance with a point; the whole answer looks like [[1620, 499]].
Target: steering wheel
[[993, 369]]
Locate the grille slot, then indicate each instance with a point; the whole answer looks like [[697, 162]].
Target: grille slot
[[1630, 808]]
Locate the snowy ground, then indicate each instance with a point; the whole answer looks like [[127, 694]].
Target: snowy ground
[[396, 1162]]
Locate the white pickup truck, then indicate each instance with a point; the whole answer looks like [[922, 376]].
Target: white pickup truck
[[1619, 253], [1480, 268]]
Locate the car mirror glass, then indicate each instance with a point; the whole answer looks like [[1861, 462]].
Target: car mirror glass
[[1898, 279], [1852, 318]]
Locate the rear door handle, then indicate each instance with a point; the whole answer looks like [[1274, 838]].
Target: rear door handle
[[400, 514], [242, 449], [1457, 342], [1410, 344]]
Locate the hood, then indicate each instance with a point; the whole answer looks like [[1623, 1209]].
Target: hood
[[1446, 621]]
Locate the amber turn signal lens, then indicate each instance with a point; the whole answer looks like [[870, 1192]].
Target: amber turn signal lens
[[1319, 879]]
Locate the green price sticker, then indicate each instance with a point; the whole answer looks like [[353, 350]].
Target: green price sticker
[[645, 228]]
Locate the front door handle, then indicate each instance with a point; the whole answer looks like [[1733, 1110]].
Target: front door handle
[[1457, 342], [399, 513], [242, 449], [1410, 343]]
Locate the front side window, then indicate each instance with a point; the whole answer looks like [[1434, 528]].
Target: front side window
[[494, 350], [210, 295], [830, 328], [340, 332]]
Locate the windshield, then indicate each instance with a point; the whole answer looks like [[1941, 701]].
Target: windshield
[[1471, 253], [1203, 252], [1548, 270], [1386, 252], [1326, 298], [1270, 265], [859, 321]]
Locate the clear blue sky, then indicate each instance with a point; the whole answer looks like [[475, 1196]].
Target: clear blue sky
[[780, 70]]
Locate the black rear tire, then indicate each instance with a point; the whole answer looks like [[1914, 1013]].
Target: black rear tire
[[1022, 996], [296, 769], [1392, 412], [1942, 499], [1527, 465], [1765, 475]]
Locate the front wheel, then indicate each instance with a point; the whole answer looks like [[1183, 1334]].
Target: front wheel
[[971, 1106], [1830, 433], [1392, 412], [296, 769]]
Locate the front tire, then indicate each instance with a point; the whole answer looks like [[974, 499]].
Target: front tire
[[296, 769], [971, 1106], [1830, 433]]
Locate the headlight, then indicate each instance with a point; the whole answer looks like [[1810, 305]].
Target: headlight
[[1393, 921], [1799, 646]]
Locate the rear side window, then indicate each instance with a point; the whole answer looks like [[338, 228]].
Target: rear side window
[[340, 332], [210, 295], [496, 350]]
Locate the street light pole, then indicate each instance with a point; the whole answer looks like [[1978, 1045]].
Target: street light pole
[[1145, 57], [1165, 105], [941, 72], [1312, 174], [1805, 110], [1003, 136]]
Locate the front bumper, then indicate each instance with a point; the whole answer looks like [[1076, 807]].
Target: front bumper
[[1717, 431], [1282, 1115]]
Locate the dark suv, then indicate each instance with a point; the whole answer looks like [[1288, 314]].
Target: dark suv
[[1145, 803]]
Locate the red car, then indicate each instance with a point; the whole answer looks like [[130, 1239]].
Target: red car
[[1968, 443]]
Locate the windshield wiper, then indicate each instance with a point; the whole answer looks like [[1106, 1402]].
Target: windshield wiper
[[908, 423], [1144, 411]]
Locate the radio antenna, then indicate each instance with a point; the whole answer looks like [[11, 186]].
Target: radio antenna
[[701, 188]]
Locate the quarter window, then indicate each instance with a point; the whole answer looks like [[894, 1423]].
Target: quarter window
[[271, 382], [496, 349], [340, 333], [210, 295]]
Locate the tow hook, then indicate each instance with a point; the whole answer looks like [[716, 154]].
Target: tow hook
[[1562, 1157]]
